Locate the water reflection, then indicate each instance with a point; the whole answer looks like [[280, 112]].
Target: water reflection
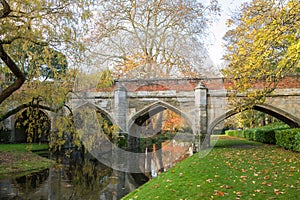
[[88, 179], [81, 176]]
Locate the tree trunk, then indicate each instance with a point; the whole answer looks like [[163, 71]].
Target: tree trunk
[[16, 71]]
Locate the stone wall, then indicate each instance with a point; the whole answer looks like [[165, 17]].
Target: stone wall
[[203, 102]]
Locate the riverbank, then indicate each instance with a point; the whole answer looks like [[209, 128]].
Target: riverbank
[[19, 159], [234, 169]]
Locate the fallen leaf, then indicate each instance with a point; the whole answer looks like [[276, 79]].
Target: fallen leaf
[[243, 170], [220, 193], [243, 177], [228, 187], [270, 184], [209, 180]]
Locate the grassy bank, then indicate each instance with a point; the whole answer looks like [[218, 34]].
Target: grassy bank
[[234, 169], [18, 159]]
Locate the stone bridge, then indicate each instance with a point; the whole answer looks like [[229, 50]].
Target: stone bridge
[[203, 103]]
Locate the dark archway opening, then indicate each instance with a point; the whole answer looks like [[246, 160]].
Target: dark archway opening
[[156, 126], [32, 125], [163, 136], [95, 128]]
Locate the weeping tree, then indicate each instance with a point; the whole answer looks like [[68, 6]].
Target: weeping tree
[[147, 39], [38, 41], [262, 45]]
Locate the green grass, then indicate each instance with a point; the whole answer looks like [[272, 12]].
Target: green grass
[[228, 141], [22, 147], [235, 169], [18, 159]]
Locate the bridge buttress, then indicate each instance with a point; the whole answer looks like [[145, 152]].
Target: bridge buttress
[[202, 140], [121, 107]]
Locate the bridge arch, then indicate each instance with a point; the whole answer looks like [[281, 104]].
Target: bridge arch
[[154, 108], [265, 108], [98, 109], [284, 116]]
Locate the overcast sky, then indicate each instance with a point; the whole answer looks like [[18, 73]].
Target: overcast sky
[[218, 29]]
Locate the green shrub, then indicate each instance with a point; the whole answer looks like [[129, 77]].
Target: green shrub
[[297, 138], [265, 136], [249, 134], [277, 133], [235, 133], [275, 126], [288, 139]]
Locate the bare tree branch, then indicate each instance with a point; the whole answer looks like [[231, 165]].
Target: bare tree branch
[[16, 71], [157, 37], [6, 9]]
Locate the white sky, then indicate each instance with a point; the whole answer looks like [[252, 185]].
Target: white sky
[[218, 29]]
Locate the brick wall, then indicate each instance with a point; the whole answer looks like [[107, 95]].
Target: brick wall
[[132, 85]]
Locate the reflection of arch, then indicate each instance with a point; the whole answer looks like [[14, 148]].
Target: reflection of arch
[[40, 124], [268, 109], [154, 108]]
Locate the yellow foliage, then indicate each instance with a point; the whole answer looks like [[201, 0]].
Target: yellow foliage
[[263, 45]]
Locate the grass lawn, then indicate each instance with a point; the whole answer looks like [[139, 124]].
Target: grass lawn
[[234, 169], [17, 159], [22, 147]]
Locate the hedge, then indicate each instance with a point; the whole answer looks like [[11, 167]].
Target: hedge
[[265, 136], [235, 133], [280, 135], [259, 135], [288, 139]]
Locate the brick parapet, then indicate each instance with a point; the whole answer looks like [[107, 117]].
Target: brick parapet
[[189, 84]]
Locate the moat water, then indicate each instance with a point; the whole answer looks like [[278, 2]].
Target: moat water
[[76, 179], [81, 176]]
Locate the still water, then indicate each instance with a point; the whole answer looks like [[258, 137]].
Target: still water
[[81, 176], [75, 179]]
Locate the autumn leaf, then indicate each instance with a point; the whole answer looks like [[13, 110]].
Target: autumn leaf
[[220, 193]]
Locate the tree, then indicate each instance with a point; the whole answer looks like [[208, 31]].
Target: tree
[[249, 119], [263, 45], [40, 66], [106, 81], [173, 121], [39, 39], [146, 39], [28, 24]]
